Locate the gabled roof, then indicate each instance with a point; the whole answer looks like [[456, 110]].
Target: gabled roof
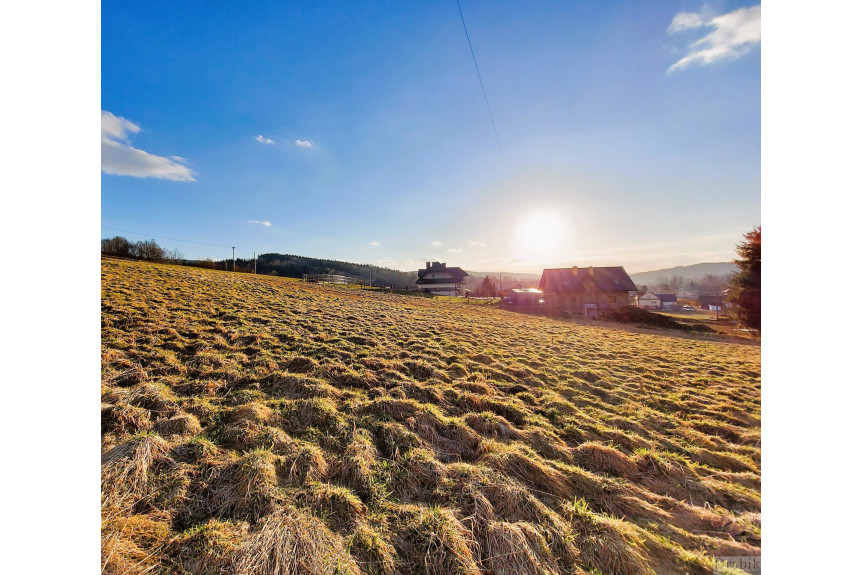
[[574, 279], [457, 273], [667, 297]]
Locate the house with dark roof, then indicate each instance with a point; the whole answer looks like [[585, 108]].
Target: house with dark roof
[[438, 279], [572, 289]]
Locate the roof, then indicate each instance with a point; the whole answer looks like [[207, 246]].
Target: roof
[[573, 279], [457, 273], [526, 290], [667, 297]]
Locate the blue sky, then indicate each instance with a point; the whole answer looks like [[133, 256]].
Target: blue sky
[[629, 131]]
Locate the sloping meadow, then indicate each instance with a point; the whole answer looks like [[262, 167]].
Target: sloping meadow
[[253, 424]]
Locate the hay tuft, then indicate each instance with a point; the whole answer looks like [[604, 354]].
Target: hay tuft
[[293, 542]]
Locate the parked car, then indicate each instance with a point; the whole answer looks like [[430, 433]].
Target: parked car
[[688, 308]]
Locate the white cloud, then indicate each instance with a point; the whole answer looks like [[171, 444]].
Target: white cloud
[[304, 143], [119, 158], [454, 251], [733, 35], [685, 21], [437, 244], [259, 222], [264, 140], [374, 243], [476, 244]]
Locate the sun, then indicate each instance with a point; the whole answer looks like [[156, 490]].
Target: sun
[[540, 234]]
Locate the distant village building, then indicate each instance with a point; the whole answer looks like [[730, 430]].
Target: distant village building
[[438, 279], [652, 300], [711, 302], [573, 289], [523, 296], [686, 294]]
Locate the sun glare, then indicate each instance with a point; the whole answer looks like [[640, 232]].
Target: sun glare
[[540, 235]]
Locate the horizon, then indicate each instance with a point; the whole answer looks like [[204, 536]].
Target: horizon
[[622, 135]]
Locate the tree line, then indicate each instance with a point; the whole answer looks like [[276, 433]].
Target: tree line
[[147, 250]]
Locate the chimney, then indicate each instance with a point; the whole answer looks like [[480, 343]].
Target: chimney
[[443, 264], [428, 265], [575, 270], [590, 271]]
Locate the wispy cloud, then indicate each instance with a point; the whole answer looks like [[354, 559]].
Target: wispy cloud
[[454, 251], [476, 244], [685, 21], [733, 35], [264, 140], [374, 243], [119, 158], [304, 143], [437, 244], [260, 223]]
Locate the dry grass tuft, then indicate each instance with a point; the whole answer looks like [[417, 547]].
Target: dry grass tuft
[[245, 488], [601, 458], [356, 468], [431, 540], [337, 505], [516, 548], [302, 462], [183, 424], [418, 473], [126, 469], [302, 364], [530, 470], [607, 544], [209, 547], [124, 419], [293, 542], [254, 413], [374, 553], [130, 544]]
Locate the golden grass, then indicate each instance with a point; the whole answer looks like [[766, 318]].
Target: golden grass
[[255, 425]]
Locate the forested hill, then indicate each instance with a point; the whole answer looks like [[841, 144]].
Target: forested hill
[[292, 266]]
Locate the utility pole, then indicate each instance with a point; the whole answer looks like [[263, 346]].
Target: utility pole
[[716, 297], [234, 260]]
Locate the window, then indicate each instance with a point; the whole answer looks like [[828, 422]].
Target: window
[[612, 299]]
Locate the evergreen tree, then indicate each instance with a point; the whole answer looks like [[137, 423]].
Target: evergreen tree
[[746, 285], [488, 287]]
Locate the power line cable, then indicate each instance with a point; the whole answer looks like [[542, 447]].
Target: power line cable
[[481, 84]]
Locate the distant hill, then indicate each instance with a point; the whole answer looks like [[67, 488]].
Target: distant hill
[[292, 266], [695, 273]]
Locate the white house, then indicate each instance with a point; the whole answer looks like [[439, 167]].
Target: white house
[[649, 301], [438, 279]]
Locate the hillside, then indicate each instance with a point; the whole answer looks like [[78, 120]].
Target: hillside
[[255, 424], [695, 273], [287, 265]]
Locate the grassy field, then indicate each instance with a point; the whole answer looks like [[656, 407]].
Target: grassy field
[[256, 425]]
